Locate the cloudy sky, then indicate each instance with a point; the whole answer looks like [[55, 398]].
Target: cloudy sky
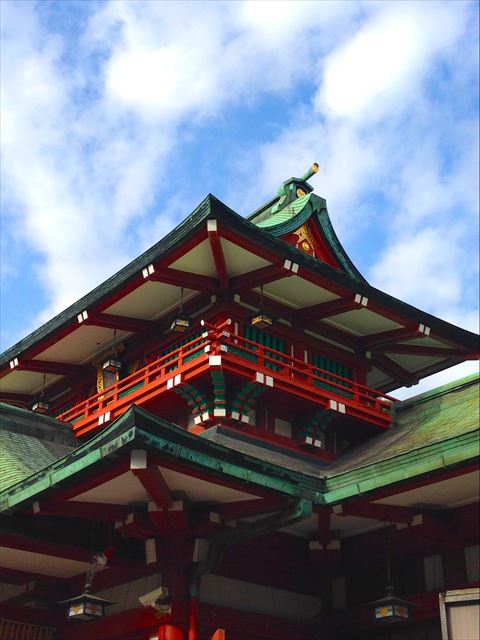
[[119, 117]]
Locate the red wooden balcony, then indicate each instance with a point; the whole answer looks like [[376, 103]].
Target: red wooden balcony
[[216, 349]]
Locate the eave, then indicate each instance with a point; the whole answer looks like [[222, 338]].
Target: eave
[[388, 366]]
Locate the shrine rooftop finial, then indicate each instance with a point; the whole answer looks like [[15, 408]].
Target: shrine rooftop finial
[[294, 188]]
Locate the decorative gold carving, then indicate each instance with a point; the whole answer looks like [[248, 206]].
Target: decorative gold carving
[[100, 383], [305, 239]]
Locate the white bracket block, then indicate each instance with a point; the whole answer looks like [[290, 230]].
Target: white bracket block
[[138, 459], [148, 271], [205, 416], [211, 226], [215, 361], [14, 363], [173, 382], [81, 317], [336, 406], [104, 418], [219, 413], [150, 550], [245, 418], [235, 415], [424, 329]]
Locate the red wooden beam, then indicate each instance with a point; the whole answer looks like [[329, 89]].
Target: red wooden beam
[[123, 323], [218, 255], [331, 308], [15, 398], [324, 525], [382, 512], [47, 366], [172, 521], [260, 276], [151, 478], [376, 340], [394, 370], [419, 350], [136, 525], [44, 547], [89, 510], [184, 279], [248, 508]]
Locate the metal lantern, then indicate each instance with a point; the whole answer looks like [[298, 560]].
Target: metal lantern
[[112, 365], [41, 406], [181, 322], [86, 606], [390, 608], [261, 321]]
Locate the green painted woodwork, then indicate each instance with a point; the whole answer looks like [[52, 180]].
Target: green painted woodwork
[[122, 394], [180, 343], [335, 367], [266, 340]]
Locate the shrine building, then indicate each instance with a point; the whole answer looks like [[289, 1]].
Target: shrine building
[[208, 446]]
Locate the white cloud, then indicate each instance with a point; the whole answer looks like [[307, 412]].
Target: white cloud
[[379, 68], [88, 134]]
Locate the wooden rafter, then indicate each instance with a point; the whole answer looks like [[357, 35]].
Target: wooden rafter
[[217, 253], [264, 275], [376, 340], [88, 510], [394, 370], [330, 308], [382, 512], [155, 485], [15, 398], [47, 366], [248, 508], [184, 279], [419, 350], [122, 323]]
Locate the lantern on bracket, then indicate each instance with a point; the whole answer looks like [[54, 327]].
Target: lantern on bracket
[[181, 322], [88, 606], [261, 320], [42, 405]]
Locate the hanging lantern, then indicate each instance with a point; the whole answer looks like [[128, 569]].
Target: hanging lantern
[[42, 405], [390, 608], [181, 322], [261, 320], [113, 364], [86, 606]]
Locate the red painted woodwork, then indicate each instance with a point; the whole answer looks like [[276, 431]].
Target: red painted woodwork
[[219, 635], [183, 364], [169, 632], [155, 485]]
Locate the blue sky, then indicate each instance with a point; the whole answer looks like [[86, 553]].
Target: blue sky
[[119, 117]]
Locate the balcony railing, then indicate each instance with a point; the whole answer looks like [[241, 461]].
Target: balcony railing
[[239, 356]]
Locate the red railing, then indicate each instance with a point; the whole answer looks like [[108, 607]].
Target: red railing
[[143, 384], [243, 357], [282, 366]]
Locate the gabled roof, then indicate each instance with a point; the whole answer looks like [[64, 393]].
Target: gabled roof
[[301, 284]]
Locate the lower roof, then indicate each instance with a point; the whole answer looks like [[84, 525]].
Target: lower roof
[[432, 432]]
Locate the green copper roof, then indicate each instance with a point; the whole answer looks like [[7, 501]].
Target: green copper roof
[[432, 432], [290, 211], [29, 442], [432, 417]]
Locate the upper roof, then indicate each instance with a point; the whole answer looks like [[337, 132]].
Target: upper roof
[[214, 251]]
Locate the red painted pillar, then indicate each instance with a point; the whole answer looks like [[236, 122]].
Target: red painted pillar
[[169, 632], [193, 619]]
